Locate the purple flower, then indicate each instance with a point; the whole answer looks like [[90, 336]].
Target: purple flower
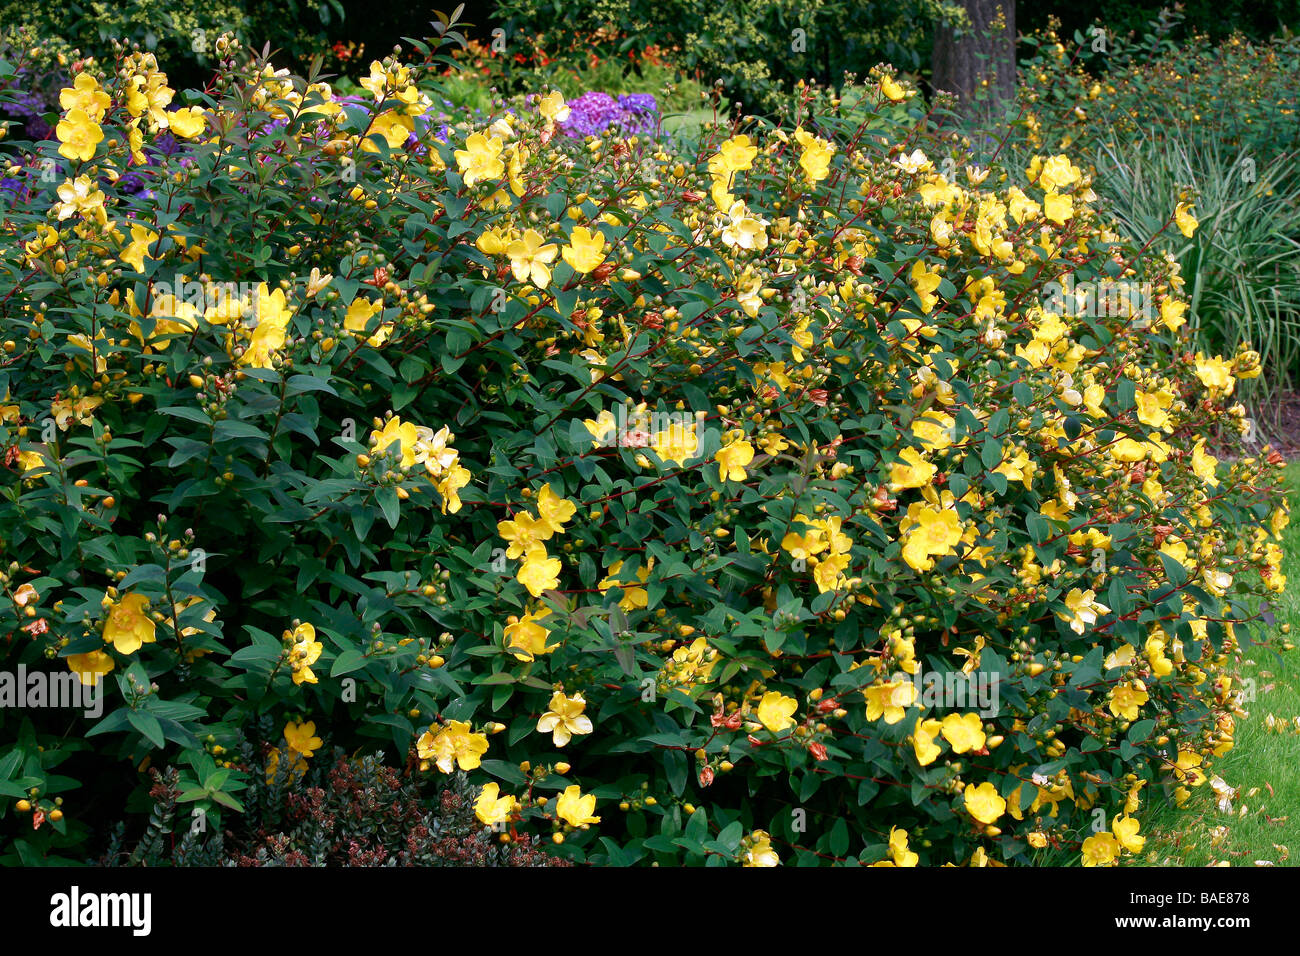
[[166, 144], [130, 184], [640, 113], [590, 114], [593, 114]]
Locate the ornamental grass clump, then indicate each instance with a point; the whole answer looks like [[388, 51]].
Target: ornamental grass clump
[[761, 504]]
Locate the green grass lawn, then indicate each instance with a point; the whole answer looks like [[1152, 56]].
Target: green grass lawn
[[1264, 766]]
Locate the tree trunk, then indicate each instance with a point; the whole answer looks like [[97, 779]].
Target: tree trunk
[[978, 63]]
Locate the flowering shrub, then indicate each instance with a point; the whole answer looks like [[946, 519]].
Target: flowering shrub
[[765, 504], [1106, 88], [758, 50], [1169, 113], [182, 32]]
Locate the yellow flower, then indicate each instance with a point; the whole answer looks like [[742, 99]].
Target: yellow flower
[[1187, 223], [1125, 830], [539, 572], [1100, 849], [85, 95], [983, 802], [187, 123], [530, 259], [923, 737], [150, 95], [759, 851], [1161, 666], [493, 242], [722, 197], [393, 127], [317, 282], [171, 316], [1280, 519], [302, 737], [1188, 768], [565, 718], [925, 282], [1171, 313], [743, 229], [691, 665], [1125, 699], [898, 848], [523, 533], [1084, 609], [306, 650], [357, 320], [138, 248], [554, 510], [1057, 173], [1151, 408], [271, 331], [633, 596], [79, 135], [829, 574], [912, 472], [1058, 207], [963, 732], [1215, 374], [491, 808], [891, 90], [586, 249], [732, 459], [455, 745], [676, 443], [1204, 464], [889, 700], [736, 155], [934, 430], [1123, 656], [815, 160], [33, 464], [935, 532], [776, 711], [378, 81], [1128, 450], [47, 237], [78, 197], [574, 808], [527, 637], [90, 667], [553, 108], [914, 162], [82, 411], [129, 625], [135, 143], [405, 435], [480, 159]]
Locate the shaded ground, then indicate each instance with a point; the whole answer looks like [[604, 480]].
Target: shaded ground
[[1282, 425]]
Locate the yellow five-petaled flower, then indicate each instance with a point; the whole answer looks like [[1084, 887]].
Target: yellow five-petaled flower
[[565, 718]]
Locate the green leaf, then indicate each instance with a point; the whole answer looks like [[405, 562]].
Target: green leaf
[[148, 725], [389, 504], [347, 662]]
